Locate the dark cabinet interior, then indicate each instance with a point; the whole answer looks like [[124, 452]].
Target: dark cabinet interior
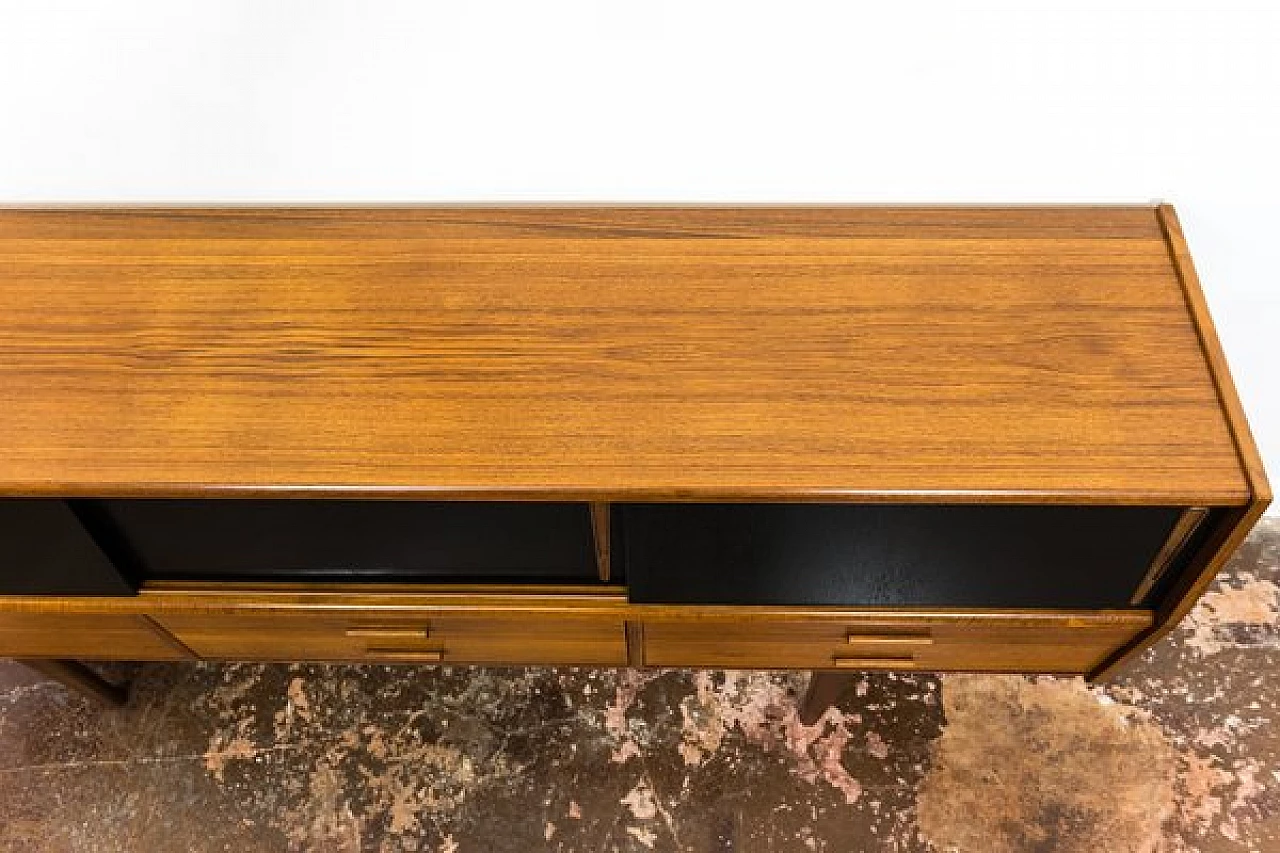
[[888, 555], [46, 550], [408, 541], [673, 553]]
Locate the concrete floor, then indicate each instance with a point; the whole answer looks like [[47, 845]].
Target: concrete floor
[[1179, 754]]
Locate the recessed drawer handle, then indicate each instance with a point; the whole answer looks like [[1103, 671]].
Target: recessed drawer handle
[[390, 633], [856, 639], [874, 663], [427, 656]]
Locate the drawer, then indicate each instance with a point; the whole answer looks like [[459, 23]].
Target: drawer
[[84, 635], [1056, 646], [403, 637]]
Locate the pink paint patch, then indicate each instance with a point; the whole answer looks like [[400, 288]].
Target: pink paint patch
[[1253, 602], [824, 752], [630, 683], [1199, 779], [239, 748], [764, 710], [876, 746], [641, 802]]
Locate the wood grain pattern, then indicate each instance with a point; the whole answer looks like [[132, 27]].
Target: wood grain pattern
[[600, 526], [891, 663], [1057, 355], [1211, 346], [635, 644], [1188, 522], [442, 636], [1235, 526], [380, 601], [93, 636], [375, 600], [523, 626], [782, 643], [905, 354]]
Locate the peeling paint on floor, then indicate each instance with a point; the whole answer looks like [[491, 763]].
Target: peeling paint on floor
[[1177, 754]]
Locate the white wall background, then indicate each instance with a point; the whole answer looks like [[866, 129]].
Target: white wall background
[[320, 100]]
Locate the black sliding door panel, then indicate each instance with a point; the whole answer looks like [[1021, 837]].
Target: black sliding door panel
[[886, 555], [405, 541], [46, 550]]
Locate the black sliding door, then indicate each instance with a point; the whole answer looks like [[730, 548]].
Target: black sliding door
[[889, 555]]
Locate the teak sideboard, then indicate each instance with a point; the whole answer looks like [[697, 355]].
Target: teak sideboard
[[825, 438]]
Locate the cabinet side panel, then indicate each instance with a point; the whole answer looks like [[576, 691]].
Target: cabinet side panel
[[1250, 459], [1236, 524]]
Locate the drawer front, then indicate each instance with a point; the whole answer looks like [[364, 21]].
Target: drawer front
[[858, 645], [84, 635], [402, 637]]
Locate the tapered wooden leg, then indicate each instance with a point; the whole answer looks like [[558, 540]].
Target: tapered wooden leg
[[80, 678], [824, 689]]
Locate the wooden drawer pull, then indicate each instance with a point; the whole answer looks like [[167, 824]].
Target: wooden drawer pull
[[855, 639], [427, 656], [390, 633], [874, 663]]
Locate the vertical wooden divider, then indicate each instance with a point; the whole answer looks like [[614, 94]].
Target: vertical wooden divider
[[600, 535]]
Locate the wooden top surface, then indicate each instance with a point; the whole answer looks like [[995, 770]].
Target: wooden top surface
[[603, 353]]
